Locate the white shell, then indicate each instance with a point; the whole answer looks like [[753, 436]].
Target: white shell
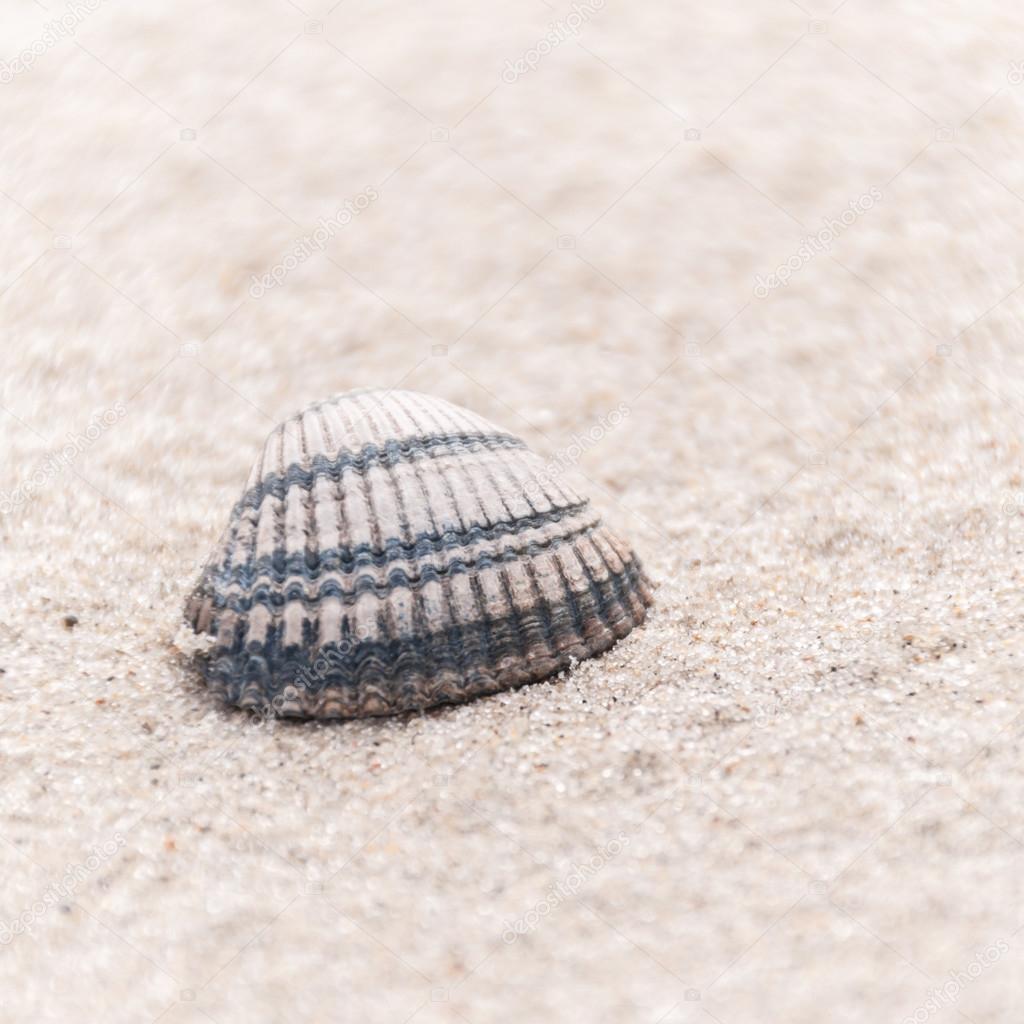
[[392, 552]]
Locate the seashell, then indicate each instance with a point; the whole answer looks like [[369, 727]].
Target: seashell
[[392, 552]]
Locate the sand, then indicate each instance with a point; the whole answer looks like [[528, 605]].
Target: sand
[[795, 794]]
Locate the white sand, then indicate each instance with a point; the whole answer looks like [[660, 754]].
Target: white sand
[[800, 784]]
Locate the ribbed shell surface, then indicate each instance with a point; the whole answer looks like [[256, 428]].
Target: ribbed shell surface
[[391, 552]]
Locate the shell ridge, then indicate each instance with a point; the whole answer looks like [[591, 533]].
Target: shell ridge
[[533, 467], [311, 547], [369, 455], [486, 629], [571, 603], [347, 560], [311, 536], [626, 595], [544, 631], [264, 595], [600, 608], [488, 472], [424, 493], [364, 696], [404, 522], [393, 627], [419, 610], [386, 611], [486, 633], [588, 599], [456, 619], [454, 491], [501, 569], [277, 510], [439, 668], [344, 525], [615, 613], [624, 584], [364, 484], [519, 483], [256, 631], [370, 655], [583, 504], [333, 488], [613, 583], [333, 623], [373, 656]]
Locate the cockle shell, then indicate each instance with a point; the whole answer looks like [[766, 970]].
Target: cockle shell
[[391, 552]]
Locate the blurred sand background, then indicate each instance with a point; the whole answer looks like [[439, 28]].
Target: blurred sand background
[[796, 794]]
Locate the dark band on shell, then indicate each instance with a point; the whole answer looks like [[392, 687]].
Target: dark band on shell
[[392, 552]]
